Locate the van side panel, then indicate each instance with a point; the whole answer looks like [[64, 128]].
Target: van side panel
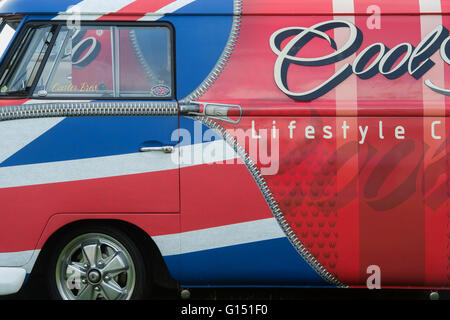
[[333, 170], [363, 167]]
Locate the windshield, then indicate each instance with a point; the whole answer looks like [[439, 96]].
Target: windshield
[[7, 30]]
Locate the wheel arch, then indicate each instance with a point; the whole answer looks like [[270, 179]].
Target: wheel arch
[[160, 273]]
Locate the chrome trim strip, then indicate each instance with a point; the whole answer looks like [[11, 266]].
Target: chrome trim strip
[[72, 109]]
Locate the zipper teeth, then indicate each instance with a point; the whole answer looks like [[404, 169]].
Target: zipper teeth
[[271, 201], [72, 109], [224, 58]]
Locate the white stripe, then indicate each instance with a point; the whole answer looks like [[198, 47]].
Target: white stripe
[[25, 259], [428, 23], [346, 94], [172, 7], [110, 166], [218, 237], [30, 264], [343, 7], [151, 17], [346, 98], [430, 6], [14, 135], [15, 259], [92, 7], [11, 280]]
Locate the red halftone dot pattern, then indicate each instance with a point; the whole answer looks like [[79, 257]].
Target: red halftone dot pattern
[[305, 188], [305, 184]]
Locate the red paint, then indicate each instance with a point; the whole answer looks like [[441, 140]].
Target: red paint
[[378, 211], [137, 9], [219, 194], [29, 208]]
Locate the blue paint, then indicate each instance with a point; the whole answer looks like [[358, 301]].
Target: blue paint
[[264, 263], [89, 137], [194, 132], [36, 7], [200, 41]]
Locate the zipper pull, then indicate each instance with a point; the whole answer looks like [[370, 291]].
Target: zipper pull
[[219, 111]]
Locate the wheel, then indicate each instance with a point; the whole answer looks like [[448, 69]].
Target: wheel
[[97, 263]]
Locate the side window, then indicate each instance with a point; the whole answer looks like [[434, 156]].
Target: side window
[[24, 66], [145, 62], [93, 61], [80, 64]]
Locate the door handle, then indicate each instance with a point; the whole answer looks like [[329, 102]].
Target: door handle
[[165, 149]]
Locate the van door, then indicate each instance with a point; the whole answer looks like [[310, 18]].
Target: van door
[[111, 147]]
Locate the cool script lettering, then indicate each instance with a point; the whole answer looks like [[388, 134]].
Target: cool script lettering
[[414, 60]]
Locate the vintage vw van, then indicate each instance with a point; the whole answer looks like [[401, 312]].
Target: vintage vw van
[[194, 143]]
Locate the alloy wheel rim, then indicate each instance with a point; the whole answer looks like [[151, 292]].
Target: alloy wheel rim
[[95, 266]]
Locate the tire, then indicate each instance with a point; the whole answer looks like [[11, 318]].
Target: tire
[[95, 262]]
